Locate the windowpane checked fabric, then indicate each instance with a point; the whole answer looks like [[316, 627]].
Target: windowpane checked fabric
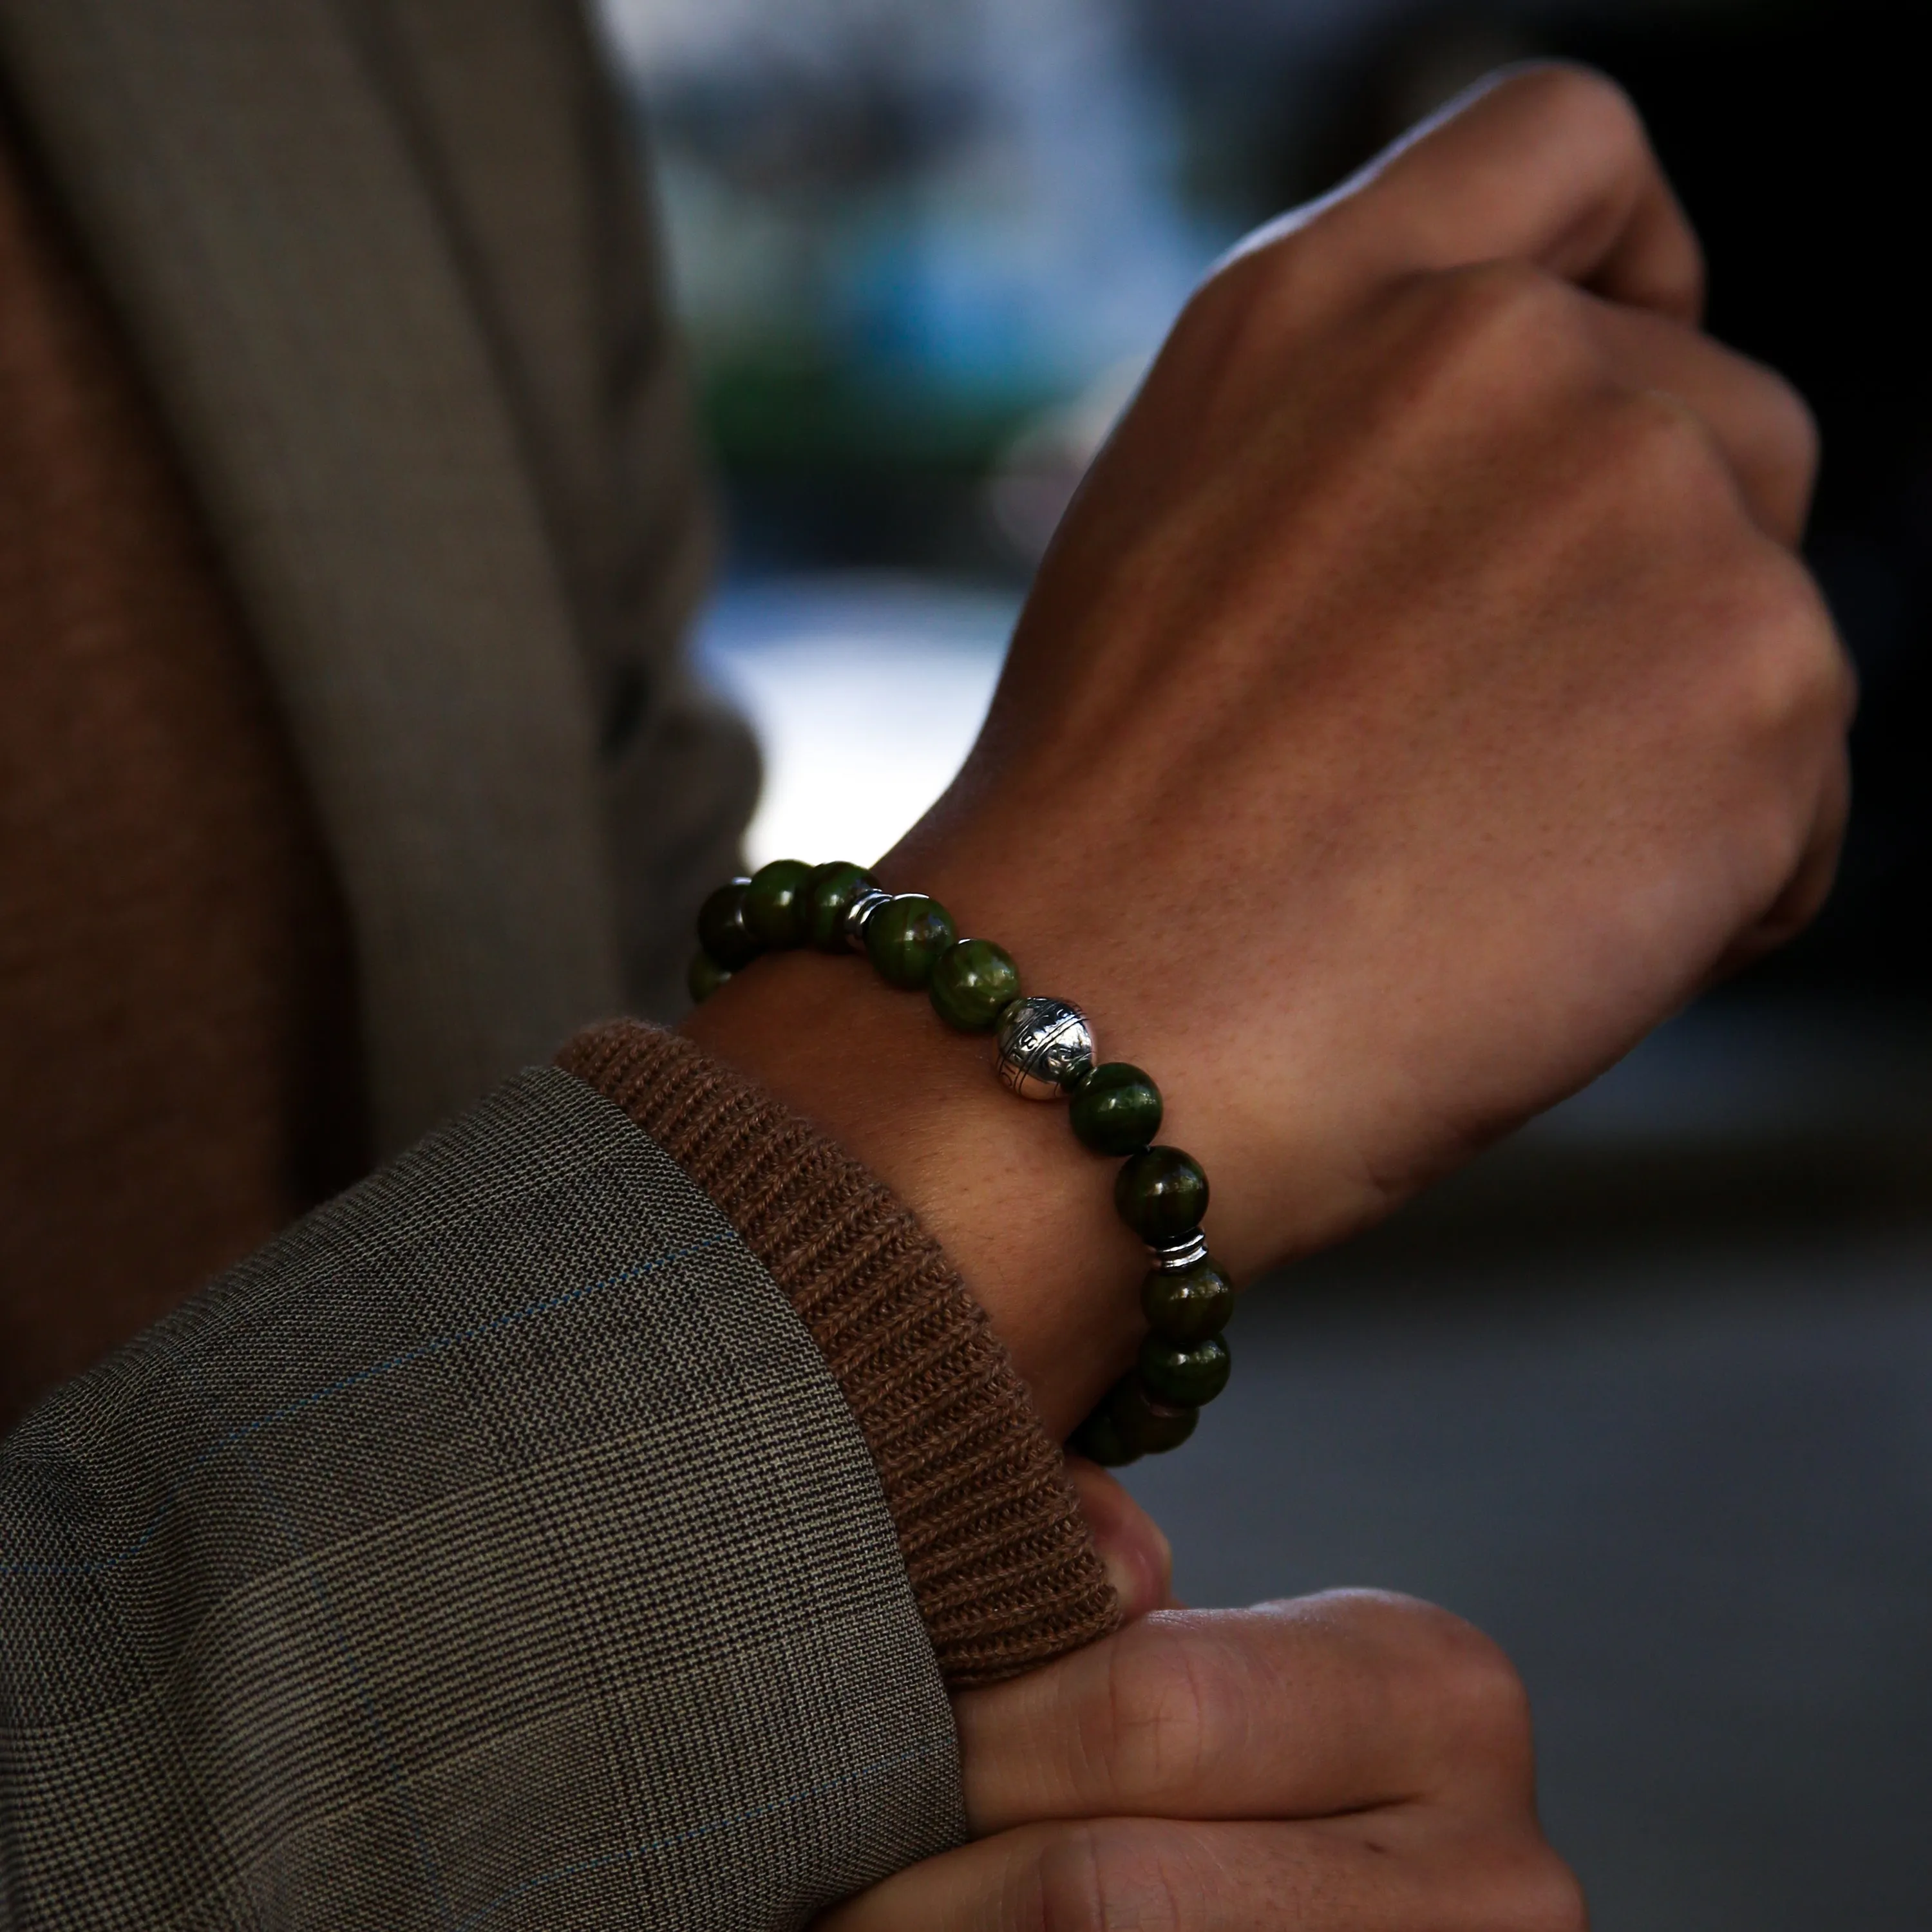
[[382, 266], [493, 1550]]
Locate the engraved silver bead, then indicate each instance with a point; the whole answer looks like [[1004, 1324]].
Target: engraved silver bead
[[858, 912], [1176, 1256], [1042, 1047]]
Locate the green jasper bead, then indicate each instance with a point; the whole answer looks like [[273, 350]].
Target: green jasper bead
[[904, 937], [1160, 1193], [705, 977], [1098, 1439], [1185, 1373], [1147, 1425], [833, 889], [777, 907], [974, 981], [1189, 1304], [721, 930], [1116, 1109]]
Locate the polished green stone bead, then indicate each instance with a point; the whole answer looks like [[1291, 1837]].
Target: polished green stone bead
[[1188, 1305], [705, 977], [1185, 1373], [1098, 1438], [905, 936], [1160, 1193], [721, 930], [834, 888], [777, 908], [1147, 1425], [974, 981], [1116, 1109]]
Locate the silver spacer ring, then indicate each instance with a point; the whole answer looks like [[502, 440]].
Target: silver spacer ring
[[858, 912], [1183, 1252]]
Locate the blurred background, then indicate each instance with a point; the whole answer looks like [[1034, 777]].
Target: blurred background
[[1645, 1392]]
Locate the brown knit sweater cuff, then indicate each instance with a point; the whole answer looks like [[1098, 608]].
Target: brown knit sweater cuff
[[1004, 1571]]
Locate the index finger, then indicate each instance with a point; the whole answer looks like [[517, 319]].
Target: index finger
[[1547, 164], [1302, 1709]]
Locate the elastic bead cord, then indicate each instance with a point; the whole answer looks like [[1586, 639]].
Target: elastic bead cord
[[1043, 1049]]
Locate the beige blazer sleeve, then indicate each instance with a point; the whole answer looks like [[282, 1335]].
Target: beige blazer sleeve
[[495, 1549]]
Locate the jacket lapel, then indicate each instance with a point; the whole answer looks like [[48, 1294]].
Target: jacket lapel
[[242, 184]]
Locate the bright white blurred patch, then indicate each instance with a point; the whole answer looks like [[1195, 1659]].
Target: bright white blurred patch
[[866, 692]]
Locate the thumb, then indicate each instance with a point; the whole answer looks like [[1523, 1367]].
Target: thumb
[[1140, 1564]]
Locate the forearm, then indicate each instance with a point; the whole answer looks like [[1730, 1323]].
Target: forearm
[[1022, 1210]]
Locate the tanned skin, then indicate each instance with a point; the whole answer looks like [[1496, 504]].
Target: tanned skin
[[1421, 700]]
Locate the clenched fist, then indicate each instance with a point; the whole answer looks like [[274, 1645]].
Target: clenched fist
[[1421, 700]]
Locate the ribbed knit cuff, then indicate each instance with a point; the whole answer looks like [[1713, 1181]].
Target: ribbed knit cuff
[[1005, 1573]]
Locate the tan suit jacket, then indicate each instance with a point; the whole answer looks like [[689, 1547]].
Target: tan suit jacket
[[534, 1536], [387, 268]]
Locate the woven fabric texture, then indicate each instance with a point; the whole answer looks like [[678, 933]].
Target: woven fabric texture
[[383, 267], [177, 1023], [493, 1550], [1005, 1572]]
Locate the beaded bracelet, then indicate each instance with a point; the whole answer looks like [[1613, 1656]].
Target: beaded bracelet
[[1043, 1051]]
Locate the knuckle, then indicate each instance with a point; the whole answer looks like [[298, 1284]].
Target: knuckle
[[1541, 1894], [1655, 475], [1446, 1666], [1794, 426], [1653, 451], [1791, 689], [1093, 1877], [1582, 104], [1756, 603], [1492, 341], [1509, 305], [1787, 668], [1777, 437], [1166, 1698], [1766, 697], [1481, 1696]]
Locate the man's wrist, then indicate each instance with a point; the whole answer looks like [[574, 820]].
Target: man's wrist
[[1003, 1571], [1022, 1210]]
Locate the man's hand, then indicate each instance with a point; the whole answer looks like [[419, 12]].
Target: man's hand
[[1420, 701], [1342, 1761]]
